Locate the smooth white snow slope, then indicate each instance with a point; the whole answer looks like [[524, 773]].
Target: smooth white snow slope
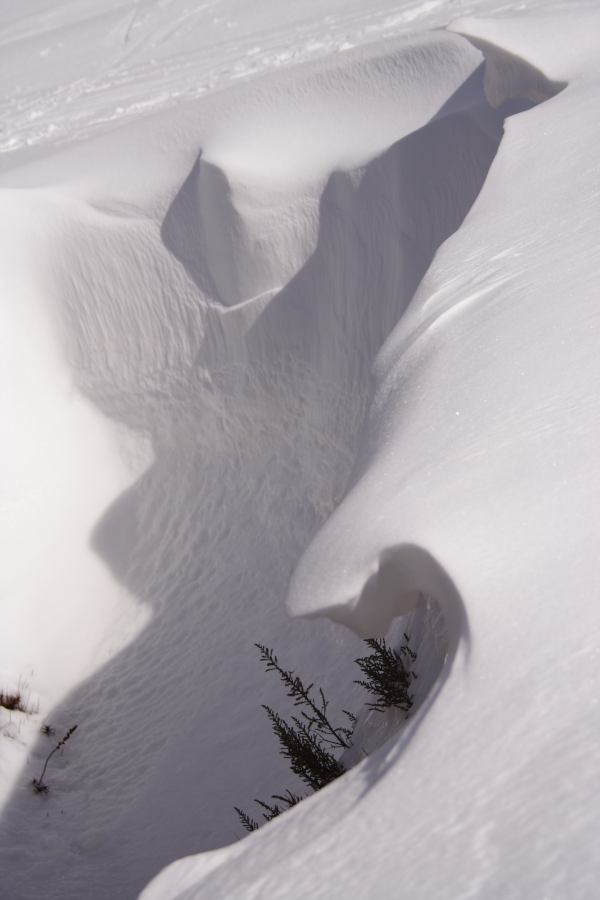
[[299, 292]]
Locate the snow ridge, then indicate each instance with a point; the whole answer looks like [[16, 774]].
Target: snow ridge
[[304, 325]]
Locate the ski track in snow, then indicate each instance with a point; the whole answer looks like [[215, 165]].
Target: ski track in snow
[[148, 59]]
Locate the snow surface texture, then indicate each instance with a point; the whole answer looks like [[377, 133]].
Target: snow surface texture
[[337, 318]]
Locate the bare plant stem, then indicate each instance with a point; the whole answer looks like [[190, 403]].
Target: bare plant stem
[[38, 783]]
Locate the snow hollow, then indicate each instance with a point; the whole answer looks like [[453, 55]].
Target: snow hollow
[[312, 343]]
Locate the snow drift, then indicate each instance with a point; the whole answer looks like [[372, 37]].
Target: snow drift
[[207, 293], [479, 449]]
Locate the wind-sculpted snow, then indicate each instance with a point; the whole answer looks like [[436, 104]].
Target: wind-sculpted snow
[[476, 481], [320, 322], [217, 304], [95, 65]]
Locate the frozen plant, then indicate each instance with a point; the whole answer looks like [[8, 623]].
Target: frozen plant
[[307, 740], [271, 810], [38, 783], [18, 700], [316, 719], [308, 756], [13, 701], [388, 674]]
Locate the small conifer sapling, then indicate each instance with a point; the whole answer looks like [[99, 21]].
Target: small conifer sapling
[[247, 821], [388, 674], [316, 718], [308, 740]]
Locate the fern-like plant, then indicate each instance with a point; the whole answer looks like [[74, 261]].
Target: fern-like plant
[[309, 739], [306, 741], [308, 756], [316, 718], [247, 821], [388, 675], [271, 810]]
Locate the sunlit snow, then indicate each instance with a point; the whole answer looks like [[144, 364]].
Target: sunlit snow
[[299, 346]]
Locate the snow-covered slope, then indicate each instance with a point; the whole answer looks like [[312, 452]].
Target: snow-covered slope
[[338, 320]]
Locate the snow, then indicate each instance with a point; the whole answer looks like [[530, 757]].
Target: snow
[[299, 317]]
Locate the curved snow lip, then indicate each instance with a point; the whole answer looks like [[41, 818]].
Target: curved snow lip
[[512, 84], [402, 575], [396, 600]]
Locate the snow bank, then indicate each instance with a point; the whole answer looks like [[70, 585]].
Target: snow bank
[[476, 481], [197, 303], [207, 314]]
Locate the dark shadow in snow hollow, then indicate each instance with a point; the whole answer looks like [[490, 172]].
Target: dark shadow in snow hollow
[[410, 595], [295, 389]]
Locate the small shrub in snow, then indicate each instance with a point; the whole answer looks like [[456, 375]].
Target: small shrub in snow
[[38, 783], [308, 756], [316, 719], [13, 701], [247, 821], [18, 700], [309, 739], [270, 810], [388, 674], [306, 741]]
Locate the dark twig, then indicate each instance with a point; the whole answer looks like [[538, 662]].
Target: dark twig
[[317, 718], [38, 783]]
